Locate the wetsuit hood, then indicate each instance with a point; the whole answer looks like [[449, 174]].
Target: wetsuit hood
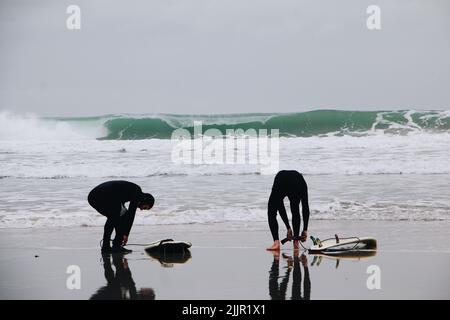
[[147, 198]]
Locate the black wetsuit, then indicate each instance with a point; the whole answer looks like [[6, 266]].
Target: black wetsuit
[[109, 199], [291, 184]]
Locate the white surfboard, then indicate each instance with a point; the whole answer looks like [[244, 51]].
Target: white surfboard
[[340, 245]]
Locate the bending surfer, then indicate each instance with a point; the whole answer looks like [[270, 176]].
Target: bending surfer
[[291, 184], [109, 199]]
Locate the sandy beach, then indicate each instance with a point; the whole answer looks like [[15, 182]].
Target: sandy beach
[[227, 264]]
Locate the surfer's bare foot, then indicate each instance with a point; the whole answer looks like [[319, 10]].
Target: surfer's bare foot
[[296, 245], [275, 246]]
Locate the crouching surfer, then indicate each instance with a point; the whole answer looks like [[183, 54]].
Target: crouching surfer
[[109, 199]]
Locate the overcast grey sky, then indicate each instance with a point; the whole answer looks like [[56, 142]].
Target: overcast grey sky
[[222, 56]]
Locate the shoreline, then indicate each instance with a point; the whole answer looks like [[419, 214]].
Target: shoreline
[[236, 223]]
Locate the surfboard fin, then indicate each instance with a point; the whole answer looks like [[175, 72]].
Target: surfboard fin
[[316, 241]]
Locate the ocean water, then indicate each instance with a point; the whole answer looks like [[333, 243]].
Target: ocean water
[[385, 165]]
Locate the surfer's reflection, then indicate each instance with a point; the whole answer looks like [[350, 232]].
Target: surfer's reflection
[[120, 284], [277, 291]]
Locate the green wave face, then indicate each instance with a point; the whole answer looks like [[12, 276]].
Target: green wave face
[[306, 124]]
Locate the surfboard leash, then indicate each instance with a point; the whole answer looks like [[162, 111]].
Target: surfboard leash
[[128, 244], [290, 239]]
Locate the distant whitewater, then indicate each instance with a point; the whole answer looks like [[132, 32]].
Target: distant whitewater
[[161, 126]]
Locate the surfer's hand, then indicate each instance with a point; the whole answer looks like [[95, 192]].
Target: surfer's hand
[[289, 234], [304, 236], [125, 240]]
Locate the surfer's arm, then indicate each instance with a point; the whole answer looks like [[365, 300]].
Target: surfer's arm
[[135, 193], [283, 214], [129, 218]]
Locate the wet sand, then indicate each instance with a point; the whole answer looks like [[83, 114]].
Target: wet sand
[[228, 261]]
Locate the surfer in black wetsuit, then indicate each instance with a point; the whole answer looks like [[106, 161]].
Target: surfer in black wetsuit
[[291, 184], [109, 199]]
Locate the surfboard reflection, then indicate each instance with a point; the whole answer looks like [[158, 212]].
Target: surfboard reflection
[[277, 290], [169, 260], [120, 284], [345, 255]]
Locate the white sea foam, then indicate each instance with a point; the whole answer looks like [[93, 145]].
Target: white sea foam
[[336, 210], [376, 154], [29, 127]]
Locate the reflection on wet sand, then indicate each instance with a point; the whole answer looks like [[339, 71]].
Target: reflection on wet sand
[[277, 291], [168, 260], [278, 284], [120, 284], [345, 255]]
